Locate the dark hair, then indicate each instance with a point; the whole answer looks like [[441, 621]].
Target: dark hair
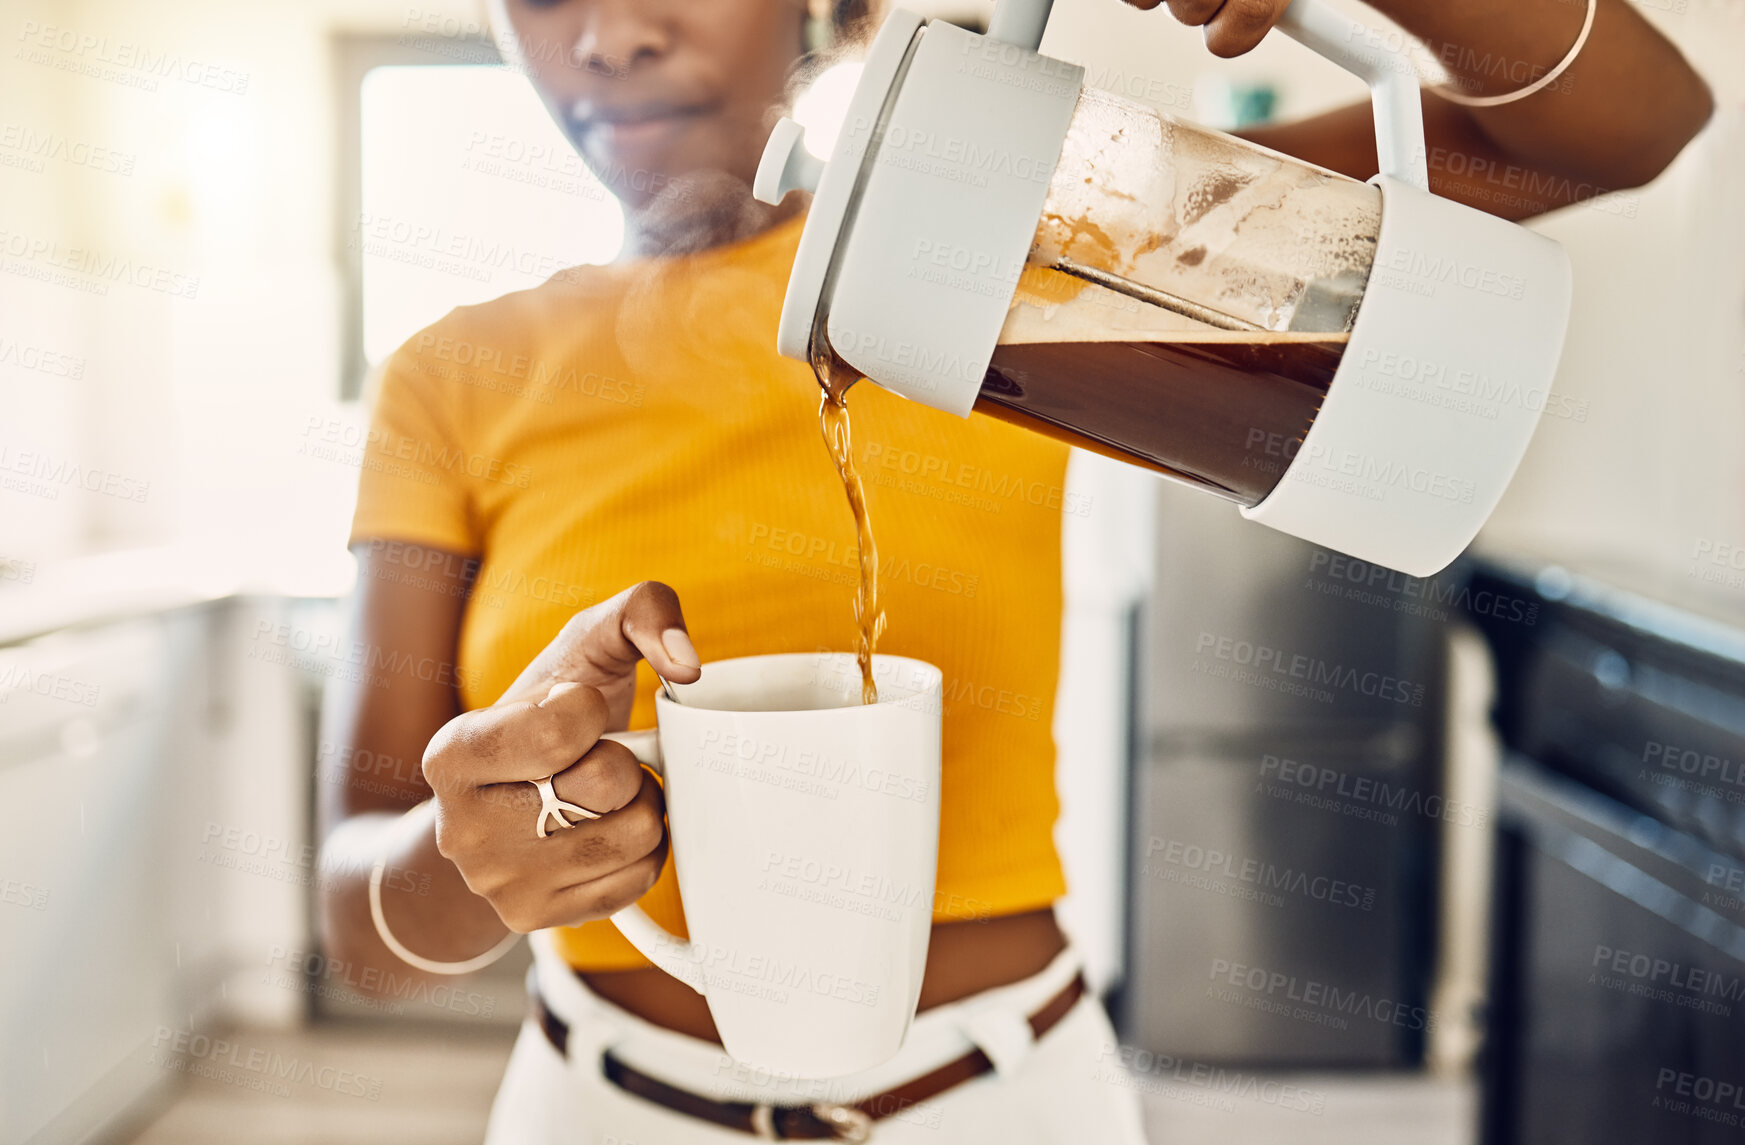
[[849, 22], [850, 18]]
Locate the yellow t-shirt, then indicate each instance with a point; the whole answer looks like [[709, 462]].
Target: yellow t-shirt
[[634, 422]]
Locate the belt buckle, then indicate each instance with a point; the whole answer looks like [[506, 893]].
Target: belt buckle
[[847, 1122]]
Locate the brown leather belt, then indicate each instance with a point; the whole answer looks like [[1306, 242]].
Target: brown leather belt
[[820, 1121]]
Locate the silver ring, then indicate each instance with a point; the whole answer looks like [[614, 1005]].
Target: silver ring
[[551, 807]]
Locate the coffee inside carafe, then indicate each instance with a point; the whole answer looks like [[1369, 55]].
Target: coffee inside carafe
[[1224, 415], [1186, 301]]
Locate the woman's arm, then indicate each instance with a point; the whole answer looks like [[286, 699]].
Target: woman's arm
[[373, 737], [1621, 112]]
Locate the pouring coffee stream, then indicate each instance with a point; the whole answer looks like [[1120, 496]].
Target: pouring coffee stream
[[835, 377]]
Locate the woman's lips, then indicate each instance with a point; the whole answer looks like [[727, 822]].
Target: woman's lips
[[638, 130]]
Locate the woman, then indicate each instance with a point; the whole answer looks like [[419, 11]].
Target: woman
[[653, 448]]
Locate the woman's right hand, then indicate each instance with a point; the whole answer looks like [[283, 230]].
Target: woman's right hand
[[549, 722]]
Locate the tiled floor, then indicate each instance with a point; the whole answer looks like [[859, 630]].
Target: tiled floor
[[435, 1087]]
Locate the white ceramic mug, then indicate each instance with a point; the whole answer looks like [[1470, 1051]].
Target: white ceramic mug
[[805, 833]]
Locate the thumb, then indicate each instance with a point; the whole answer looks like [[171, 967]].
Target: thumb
[[650, 621], [600, 646]]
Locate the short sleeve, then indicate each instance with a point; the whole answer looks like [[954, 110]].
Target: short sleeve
[[409, 486]]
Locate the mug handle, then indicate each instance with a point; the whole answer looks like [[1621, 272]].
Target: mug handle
[[673, 954]]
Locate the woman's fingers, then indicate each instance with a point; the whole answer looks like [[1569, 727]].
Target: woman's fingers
[[601, 645], [1232, 27], [1194, 13], [585, 902], [492, 836], [598, 868], [1239, 25], [596, 847], [604, 780], [516, 741]]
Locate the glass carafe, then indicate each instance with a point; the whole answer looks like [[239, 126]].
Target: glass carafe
[[1179, 269]]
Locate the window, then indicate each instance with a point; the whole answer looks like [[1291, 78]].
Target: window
[[462, 190]]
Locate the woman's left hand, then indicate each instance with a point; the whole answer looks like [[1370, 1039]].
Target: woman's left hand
[[1231, 26]]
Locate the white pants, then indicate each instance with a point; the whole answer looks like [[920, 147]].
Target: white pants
[[1061, 1089]]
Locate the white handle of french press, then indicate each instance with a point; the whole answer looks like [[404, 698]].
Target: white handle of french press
[[1381, 62], [1385, 64]]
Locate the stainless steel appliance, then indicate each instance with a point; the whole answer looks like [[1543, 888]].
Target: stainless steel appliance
[[1285, 800]]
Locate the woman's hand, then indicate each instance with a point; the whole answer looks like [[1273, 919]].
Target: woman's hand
[[549, 723], [1231, 26]]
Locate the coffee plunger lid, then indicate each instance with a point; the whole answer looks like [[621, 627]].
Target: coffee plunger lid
[[923, 216], [787, 166]]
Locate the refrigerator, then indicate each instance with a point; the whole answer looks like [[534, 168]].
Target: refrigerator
[[1284, 801]]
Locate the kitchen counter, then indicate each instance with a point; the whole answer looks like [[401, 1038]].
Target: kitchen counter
[[37, 598]]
